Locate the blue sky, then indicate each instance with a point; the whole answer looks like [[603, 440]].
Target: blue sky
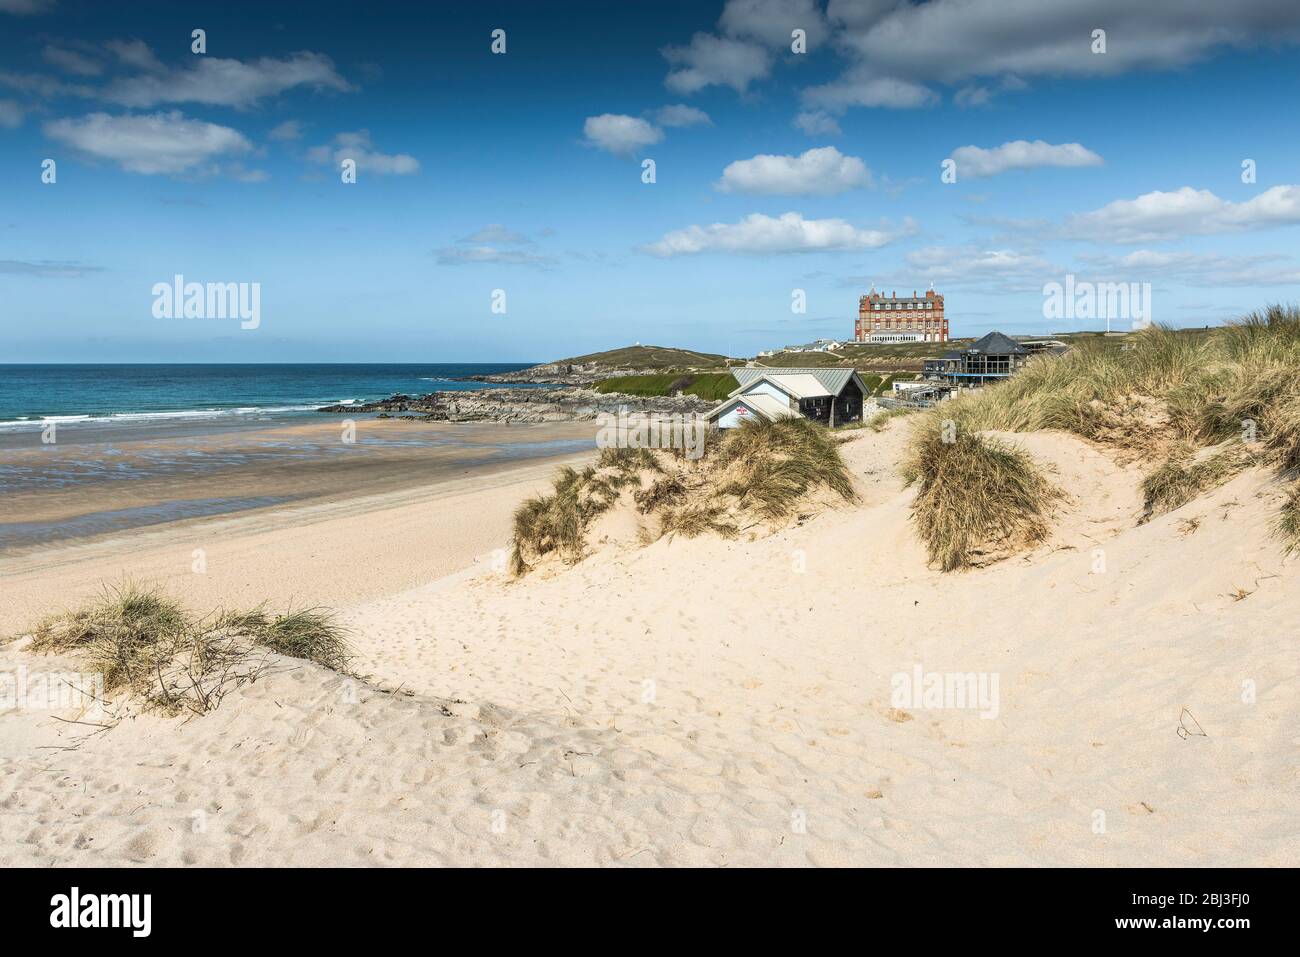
[[775, 170]]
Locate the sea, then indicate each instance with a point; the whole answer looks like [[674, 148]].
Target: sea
[[116, 424], [137, 393]]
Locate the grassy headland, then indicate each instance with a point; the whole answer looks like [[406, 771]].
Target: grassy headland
[[648, 357], [714, 386]]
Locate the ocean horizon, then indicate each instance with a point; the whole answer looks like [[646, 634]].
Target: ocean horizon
[[108, 393]]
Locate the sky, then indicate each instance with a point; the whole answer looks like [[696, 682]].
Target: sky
[[503, 208]]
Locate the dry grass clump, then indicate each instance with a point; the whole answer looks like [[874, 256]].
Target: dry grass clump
[[976, 496], [557, 523], [762, 470], [1183, 477], [313, 634], [696, 519], [661, 493], [771, 467], [628, 461], [1288, 523], [124, 636], [144, 643]]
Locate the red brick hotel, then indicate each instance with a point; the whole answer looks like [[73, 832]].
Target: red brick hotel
[[890, 318]]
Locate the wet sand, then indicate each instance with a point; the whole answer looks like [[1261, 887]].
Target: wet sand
[[88, 486]]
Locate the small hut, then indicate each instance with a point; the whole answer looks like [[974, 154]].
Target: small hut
[[829, 396]]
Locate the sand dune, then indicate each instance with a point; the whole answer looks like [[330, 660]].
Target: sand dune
[[729, 703]]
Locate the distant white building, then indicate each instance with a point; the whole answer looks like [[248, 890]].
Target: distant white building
[[819, 345]]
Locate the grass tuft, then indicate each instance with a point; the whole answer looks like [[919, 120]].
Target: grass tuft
[[764, 468], [694, 520], [975, 495], [1182, 478], [772, 466], [1288, 523], [144, 643], [313, 634]]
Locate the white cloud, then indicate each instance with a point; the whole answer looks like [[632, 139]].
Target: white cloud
[[162, 143], [219, 82], [619, 134], [716, 61], [862, 89], [44, 87], [974, 162], [69, 61], [824, 171], [358, 147], [952, 40], [749, 33], [772, 21], [679, 114], [757, 233], [11, 114], [46, 268], [1197, 269], [817, 123], [1161, 215], [288, 130], [497, 233], [468, 255], [898, 52], [976, 265], [972, 96], [484, 245], [135, 53]]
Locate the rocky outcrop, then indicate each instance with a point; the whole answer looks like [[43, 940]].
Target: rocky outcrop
[[519, 405]]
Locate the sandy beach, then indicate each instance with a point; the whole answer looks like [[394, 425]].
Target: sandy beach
[[696, 702], [400, 506]]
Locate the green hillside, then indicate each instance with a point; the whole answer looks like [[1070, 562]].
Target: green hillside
[[714, 386], [649, 357]]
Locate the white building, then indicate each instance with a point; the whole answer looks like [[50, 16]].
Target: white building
[[830, 396]]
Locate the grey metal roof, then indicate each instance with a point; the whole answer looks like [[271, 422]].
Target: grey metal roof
[[996, 344], [832, 380]]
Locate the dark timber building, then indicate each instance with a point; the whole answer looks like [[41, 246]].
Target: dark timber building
[[989, 359]]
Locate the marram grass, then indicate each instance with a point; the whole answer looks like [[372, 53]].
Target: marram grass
[[761, 470], [144, 643], [1158, 396], [975, 496]]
